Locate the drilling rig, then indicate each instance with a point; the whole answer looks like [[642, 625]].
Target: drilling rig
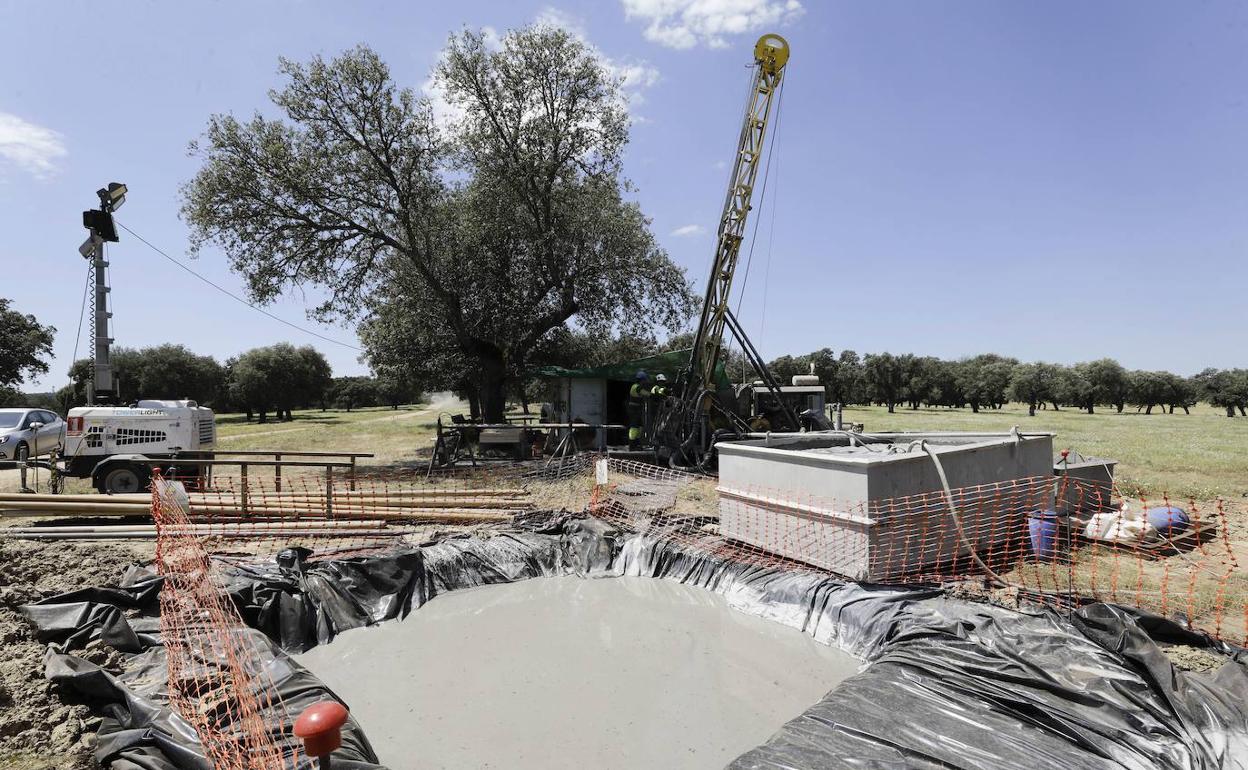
[[699, 413]]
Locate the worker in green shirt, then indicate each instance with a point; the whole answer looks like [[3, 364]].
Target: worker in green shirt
[[638, 394], [659, 390]]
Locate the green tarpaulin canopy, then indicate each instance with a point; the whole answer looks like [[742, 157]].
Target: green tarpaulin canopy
[[669, 364]]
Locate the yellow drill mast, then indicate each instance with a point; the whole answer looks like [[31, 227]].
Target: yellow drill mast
[[689, 423], [771, 53]]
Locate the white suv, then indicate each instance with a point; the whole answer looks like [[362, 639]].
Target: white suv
[[19, 438]]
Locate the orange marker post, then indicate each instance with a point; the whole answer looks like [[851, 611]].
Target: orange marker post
[[320, 727]]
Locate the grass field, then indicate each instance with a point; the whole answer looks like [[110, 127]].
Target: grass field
[[1202, 455], [393, 435]]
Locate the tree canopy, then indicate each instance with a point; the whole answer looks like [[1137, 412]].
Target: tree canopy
[[165, 371], [464, 244], [277, 378], [25, 345]]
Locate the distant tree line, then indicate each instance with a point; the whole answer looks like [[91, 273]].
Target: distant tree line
[[986, 381], [989, 381], [271, 380]]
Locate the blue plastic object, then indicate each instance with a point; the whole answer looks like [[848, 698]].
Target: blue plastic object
[[1168, 519], [1044, 528]]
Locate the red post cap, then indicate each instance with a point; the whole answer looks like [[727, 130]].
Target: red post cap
[[320, 727], [1065, 453]]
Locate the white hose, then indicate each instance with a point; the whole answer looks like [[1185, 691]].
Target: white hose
[[957, 519]]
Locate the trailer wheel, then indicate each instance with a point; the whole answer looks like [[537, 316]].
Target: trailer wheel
[[122, 479]]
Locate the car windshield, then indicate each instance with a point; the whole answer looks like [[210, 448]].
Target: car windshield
[[9, 419]]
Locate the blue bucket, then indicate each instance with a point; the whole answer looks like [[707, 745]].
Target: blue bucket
[[1045, 530], [1167, 519]]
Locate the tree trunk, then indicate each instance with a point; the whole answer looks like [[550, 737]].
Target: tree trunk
[[1230, 411], [1149, 410], [975, 407], [1186, 410], [1172, 409], [1091, 408], [1242, 413], [264, 416], [890, 407], [493, 385], [1120, 405], [250, 415], [1031, 409]]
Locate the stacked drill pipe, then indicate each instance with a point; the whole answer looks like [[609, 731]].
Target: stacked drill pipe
[[297, 507]]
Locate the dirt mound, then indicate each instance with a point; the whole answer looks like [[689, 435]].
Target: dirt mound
[[37, 728]]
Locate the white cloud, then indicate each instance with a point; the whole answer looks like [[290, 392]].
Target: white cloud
[[31, 148], [688, 231], [686, 23], [554, 17]]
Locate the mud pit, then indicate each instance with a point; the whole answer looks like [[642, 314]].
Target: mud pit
[[567, 672]]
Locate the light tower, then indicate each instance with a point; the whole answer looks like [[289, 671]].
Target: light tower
[[103, 230]]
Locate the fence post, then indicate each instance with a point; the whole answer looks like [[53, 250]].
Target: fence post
[[277, 471], [351, 476], [329, 491], [242, 469]]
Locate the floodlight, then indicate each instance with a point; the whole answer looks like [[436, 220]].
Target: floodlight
[[100, 223], [112, 197], [90, 247]]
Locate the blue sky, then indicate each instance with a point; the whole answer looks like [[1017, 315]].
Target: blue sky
[[1055, 181]]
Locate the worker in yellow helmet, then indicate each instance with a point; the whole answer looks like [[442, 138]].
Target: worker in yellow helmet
[[638, 394]]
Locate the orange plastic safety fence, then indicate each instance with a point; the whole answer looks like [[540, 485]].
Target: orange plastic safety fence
[[1053, 540], [263, 514], [216, 681]]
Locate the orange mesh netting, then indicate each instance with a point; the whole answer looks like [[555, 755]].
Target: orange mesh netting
[[998, 541], [1005, 536], [216, 682]]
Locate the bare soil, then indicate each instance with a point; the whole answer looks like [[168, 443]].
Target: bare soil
[[38, 729]]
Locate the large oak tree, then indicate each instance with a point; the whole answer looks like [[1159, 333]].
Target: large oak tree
[[458, 245]]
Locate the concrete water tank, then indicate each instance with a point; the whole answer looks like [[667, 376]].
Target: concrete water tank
[[871, 507]]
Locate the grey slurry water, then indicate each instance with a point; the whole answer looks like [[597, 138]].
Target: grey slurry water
[[573, 673]]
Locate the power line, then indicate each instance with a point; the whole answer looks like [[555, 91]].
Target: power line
[[234, 296]]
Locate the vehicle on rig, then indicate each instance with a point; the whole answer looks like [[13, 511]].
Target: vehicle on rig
[[118, 446], [700, 411]]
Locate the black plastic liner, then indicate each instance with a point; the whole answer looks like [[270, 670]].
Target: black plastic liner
[[952, 683]]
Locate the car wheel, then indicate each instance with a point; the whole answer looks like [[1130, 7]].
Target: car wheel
[[122, 479]]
